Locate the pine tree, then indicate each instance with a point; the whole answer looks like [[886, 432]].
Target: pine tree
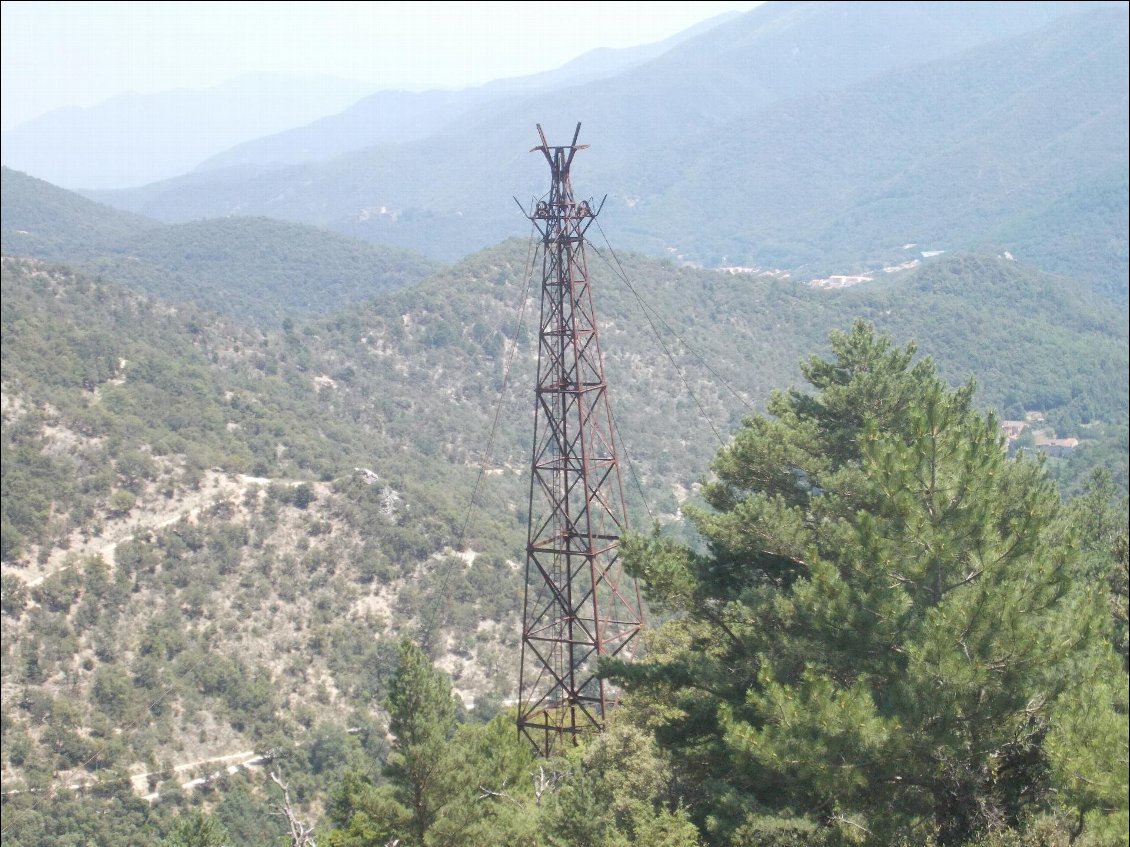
[[419, 769], [880, 624], [465, 785], [1088, 739], [197, 829], [422, 720]]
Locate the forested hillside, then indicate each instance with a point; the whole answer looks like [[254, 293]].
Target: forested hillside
[[265, 478], [259, 269], [429, 360], [419, 372], [176, 486], [41, 219], [251, 269], [171, 497]]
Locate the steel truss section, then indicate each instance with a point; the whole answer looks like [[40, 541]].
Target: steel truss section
[[579, 605]]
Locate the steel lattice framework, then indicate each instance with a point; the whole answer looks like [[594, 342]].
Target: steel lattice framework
[[579, 605]]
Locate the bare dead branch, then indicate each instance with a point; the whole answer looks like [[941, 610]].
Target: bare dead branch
[[301, 835]]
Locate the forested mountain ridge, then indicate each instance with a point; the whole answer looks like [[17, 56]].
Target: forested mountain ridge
[[170, 497], [260, 269], [41, 219], [176, 486], [808, 178], [1033, 341], [250, 269]]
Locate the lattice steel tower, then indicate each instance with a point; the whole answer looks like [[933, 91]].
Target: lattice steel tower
[[579, 605]]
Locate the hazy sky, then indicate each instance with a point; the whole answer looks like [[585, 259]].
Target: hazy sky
[[63, 54]]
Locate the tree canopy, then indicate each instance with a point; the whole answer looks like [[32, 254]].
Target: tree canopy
[[885, 628]]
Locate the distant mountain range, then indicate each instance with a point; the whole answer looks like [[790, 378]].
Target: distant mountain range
[[133, 139], [394, 117], [265, 120], [820, 137]]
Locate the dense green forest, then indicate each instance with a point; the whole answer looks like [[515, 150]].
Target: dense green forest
[[258, 269], [43, 220]]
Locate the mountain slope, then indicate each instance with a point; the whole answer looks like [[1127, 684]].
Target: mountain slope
[[410, 378], [959, 153], [184, 577], [260, 270], [251, 269], [429, 360], [41, 219]]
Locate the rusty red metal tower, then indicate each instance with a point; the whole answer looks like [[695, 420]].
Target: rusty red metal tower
[[579, 605]]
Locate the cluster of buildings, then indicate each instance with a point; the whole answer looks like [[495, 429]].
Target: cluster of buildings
[[734, 270], [1055, 447], [844, 281], [839, 281]]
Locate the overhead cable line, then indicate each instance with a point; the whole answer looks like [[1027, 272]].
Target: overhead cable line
[[631, 465], [667, 352], [650, 311], [531, 254]]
